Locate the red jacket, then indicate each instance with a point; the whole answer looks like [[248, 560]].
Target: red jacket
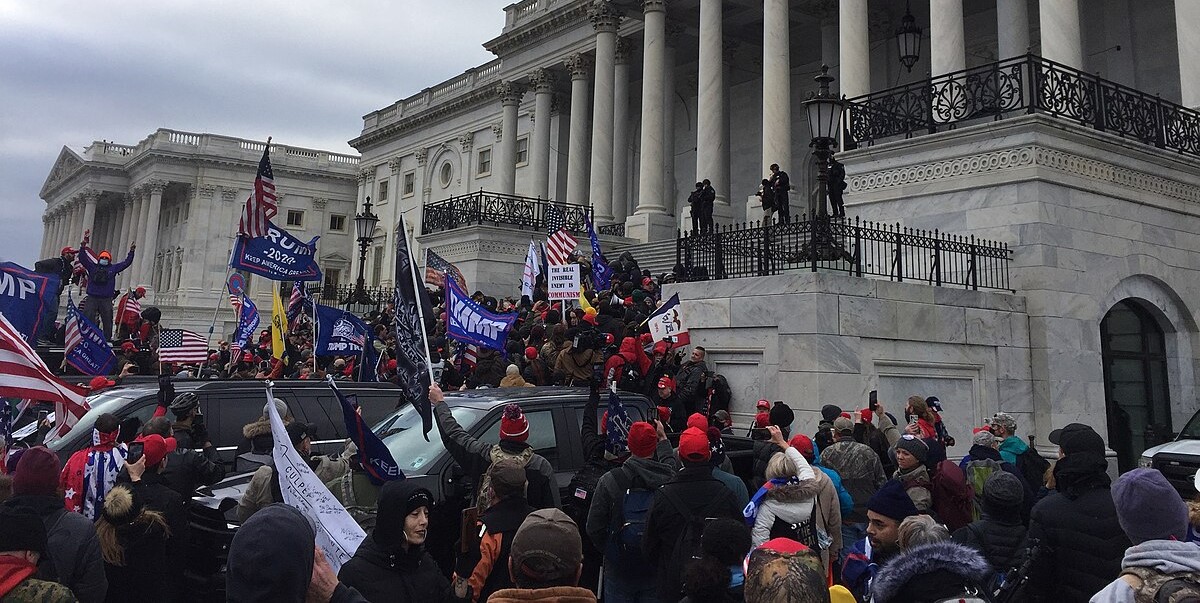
[[630, 352]]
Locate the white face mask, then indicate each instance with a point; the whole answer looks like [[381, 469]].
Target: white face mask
[[103, 262]]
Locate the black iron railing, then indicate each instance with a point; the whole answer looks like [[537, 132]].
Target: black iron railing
[[1021, 85], [855, 247], [616, 230], [334, 295], [495, 209]]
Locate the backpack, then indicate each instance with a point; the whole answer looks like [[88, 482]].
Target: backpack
[[1032, 467], [977, 472], [100, 276], [582, 489], [687, 545], [953, 496], [630, 379], [722, 396], [623, 554], [1157, 587]]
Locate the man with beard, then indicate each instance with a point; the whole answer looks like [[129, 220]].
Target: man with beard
[[885, 511]]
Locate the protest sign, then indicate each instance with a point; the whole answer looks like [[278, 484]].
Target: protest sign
[[563, 281]]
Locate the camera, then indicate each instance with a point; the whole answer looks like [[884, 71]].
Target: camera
[[589, 340]]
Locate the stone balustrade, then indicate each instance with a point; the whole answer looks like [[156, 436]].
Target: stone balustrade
[[218, 146]]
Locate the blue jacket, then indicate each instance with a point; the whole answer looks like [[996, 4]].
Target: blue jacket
[[107, 289]]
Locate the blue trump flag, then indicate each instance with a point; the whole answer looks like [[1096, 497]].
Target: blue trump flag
[[25, 297], [247, 324], [278, 256], [616, 427], [373, 454], [601, 273], [340, 333], [86, 348], [470, 322]]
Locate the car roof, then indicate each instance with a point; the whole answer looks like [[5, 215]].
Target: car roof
[[488, 398], [140, 388]]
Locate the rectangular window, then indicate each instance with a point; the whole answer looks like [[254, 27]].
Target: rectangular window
[[522, 151], [484, 165], [295, 218], [337, 223], [377, 266], [383, 191], [333, 277], [410, 184]]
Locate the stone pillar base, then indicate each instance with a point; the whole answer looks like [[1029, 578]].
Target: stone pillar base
[[651, 227], [723, 215]]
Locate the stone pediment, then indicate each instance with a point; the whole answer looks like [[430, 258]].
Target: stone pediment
[[335, 258], [68, 164]]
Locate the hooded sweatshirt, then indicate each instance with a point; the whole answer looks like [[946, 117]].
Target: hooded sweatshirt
[[1163, 556], [638, 473]]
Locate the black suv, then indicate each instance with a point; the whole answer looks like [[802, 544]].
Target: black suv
[[230, 405]]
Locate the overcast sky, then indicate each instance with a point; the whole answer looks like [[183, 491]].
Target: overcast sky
[[303, 71]]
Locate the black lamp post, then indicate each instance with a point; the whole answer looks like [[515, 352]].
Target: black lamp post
[[824, 118], [908, 38], [364, 228]]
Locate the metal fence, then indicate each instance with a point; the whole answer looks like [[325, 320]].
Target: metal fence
[[495, 209], [858, 248], [334, 295], [1021, 85], [616, 230]]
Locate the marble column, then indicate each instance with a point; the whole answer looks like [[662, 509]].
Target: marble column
[[138, 236], [674, 31], [88, 223], [777, 94], [947, 51], [152, 214], [712, 131], [605, 19], [580, 66], [130, 236], [542, 81], [829, 46], [650, 221], [1060, 32], [510, 100], [1187, 32], [621, 151], [197, 237], [854, 49], [1012, 23]]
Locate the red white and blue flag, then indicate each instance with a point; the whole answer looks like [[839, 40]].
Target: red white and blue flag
[[86, 348], [374, 456], [262, 205], [23, 374], [559, 243], [179, 345]]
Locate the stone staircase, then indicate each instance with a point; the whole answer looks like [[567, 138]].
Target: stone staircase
[[656, 256]]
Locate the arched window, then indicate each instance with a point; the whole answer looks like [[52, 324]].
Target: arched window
[[1136, 394]]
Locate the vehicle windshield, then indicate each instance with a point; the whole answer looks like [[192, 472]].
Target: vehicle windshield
[[401, 432], [100, 403], [1192, 430]]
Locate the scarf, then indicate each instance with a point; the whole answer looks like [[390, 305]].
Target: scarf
[[14, 571], [104, 462], [751, 510]]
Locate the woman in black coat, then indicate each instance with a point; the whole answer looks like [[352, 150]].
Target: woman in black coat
[[391, 563]]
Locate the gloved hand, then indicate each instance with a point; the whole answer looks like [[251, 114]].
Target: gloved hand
[[166, 390]]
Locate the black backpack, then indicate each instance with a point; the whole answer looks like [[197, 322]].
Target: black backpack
[[582, 490], [623, 554], [804, 532], [630, 378], [687, 545], [100, 275], [1033, 468]]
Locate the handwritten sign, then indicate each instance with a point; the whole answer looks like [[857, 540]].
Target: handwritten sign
[[563, 281]]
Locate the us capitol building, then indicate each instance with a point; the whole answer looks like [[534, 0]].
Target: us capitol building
[[1022, 185]]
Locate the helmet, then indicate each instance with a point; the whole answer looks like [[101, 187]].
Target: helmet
[[183, 403]]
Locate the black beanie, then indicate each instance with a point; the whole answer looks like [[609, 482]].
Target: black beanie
[[21, 530], [829, 412], [892, 501], [781, 415]]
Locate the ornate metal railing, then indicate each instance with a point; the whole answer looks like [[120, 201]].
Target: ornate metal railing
[[855, 247], [1021, 85], [616, 230], [486, 208], [334, 295]]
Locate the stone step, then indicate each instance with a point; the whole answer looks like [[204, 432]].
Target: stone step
[[657, 256]]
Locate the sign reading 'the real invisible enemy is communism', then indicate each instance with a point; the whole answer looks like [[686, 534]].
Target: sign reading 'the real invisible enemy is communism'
[[563, 281]]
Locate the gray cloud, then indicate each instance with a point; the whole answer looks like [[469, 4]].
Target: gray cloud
[[304, 72]]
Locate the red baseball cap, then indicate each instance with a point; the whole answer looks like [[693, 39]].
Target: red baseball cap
[[66, 251], [666, 382], [155, 448], [99, 383], [802, 444], [128, 346], [693, 445], [763, 404]]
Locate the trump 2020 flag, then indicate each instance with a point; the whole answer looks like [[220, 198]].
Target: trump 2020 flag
[[412, 348], [601, 272], [375, 457], [25, 297], [470, 322], [86, 348], [338, 534], [666, 323], [248, 321]]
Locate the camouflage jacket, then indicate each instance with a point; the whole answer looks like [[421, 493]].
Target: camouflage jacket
[[38, 591]]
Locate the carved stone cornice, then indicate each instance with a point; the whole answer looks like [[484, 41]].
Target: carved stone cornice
[[366, 175], [422, 156], [510, 93], [580, 66], [542, 28], [394, 164], [541, 80], [89, 195], [605, 16], [624, 51], [205, 190], [465, 141]]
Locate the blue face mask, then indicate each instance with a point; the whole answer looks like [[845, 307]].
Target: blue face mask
[[103, 262]]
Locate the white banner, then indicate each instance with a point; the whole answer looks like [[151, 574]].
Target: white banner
[[563, 281], [666, 323], [337, 533]]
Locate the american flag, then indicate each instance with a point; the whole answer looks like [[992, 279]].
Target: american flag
[[24, 375], [128, 305], [261, 205], [436, 268], [73, 334], [180, 345], [298, 301], [468, 355], [560, 242]]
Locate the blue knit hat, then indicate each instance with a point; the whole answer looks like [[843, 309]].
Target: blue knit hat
[[1148, 507], [892, 501]]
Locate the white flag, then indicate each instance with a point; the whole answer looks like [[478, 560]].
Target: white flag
[[533, 267], [337, 533]]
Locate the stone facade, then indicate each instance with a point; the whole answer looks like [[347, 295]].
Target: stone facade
[[178, 195]]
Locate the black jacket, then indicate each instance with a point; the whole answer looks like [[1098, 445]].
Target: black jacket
[[489, 369], [689, 385], [384, 568], [188, 469], [1001, 540], [147, 572], [1080, 542], [705, 497], [158, 496], [72, 550]]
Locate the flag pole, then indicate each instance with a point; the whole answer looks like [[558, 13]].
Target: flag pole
[[419, 289]]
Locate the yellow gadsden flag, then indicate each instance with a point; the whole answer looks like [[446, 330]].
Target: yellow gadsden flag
[[279, 325]]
